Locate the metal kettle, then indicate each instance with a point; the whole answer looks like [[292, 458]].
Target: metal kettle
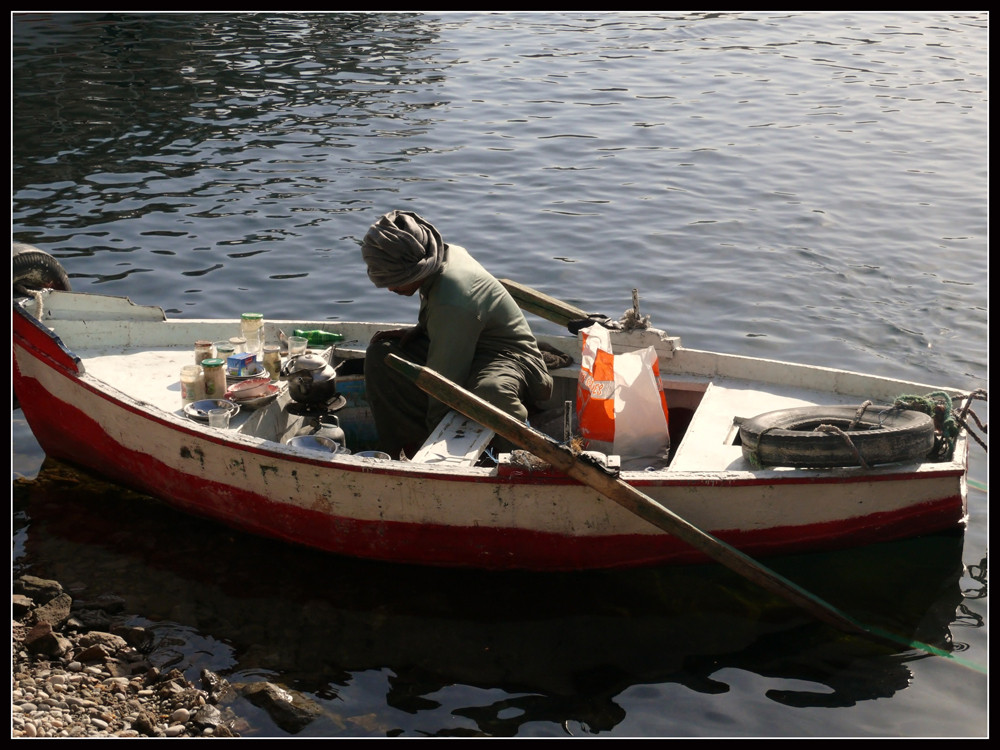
[[329, 427], [311, 379]]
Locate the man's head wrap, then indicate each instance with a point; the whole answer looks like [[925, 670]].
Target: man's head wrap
[[401, 248]]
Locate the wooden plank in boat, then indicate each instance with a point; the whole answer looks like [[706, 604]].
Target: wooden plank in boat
[[710, 441], [457, 441]]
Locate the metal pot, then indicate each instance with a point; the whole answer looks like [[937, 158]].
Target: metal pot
[[311, 379]]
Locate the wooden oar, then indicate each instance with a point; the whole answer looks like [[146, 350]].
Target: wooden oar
[[542, 305], [563, 459]]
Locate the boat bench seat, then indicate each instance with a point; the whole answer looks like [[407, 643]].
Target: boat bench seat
[[457, 441], [711, 443]]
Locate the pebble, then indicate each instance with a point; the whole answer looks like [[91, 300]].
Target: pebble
[[53, 694]]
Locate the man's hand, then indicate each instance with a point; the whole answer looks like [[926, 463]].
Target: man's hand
[[403, 335]]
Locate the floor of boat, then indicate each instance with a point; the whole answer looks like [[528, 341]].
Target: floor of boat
[[709, 442]]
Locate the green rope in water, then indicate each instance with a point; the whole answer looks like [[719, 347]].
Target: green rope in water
[[927, 648], [888, 637]]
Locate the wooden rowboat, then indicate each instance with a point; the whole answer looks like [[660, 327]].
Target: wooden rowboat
[[97, 378]]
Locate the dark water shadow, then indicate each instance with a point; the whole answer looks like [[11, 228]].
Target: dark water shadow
[[561, 647]]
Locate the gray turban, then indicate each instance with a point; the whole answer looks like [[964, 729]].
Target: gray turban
[[401, 248]]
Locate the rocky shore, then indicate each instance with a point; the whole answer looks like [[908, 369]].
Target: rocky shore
[[75, 673], [79, 671]]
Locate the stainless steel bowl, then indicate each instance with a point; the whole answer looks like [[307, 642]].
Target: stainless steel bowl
[[316, 443]]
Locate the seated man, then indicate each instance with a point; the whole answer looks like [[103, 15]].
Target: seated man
[[469, 329]]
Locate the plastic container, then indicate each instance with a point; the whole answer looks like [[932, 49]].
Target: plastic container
[[224, 350], [271, 359], [252, 328], [297, 345], [203, 350], [215, 378], [192, 383]]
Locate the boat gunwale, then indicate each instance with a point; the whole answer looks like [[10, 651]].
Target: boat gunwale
[[665, 477]]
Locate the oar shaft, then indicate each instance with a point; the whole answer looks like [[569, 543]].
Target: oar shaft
[[563, 459], [541, 304]]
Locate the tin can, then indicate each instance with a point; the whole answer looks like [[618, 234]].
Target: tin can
[[215, 378], [203, 350]]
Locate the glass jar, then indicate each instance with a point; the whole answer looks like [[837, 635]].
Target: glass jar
[[223, 350], [272, 360], [203, 350], [215, 378], [252, 328], [239, 344], [192, 383]]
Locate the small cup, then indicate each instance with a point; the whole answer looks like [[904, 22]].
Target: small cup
[[218, 418], [297, 345]]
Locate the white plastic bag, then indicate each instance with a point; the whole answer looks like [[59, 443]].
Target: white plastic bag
[[620, 401]]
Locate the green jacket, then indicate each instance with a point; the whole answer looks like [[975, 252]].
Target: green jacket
[[470, 320]]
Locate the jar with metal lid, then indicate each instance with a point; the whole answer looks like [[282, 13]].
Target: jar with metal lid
[[203, 350], [252, 328], [223, 350], [192, 383], [215, 378], [271, 359]]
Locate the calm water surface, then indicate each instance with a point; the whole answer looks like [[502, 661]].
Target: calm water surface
[[803, 186]]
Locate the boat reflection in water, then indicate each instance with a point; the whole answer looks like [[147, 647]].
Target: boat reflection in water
[[551, 648]]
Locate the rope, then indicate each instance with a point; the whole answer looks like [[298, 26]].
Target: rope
[[980, 394], [847, 439], [631, 319], [857, 416], [37, 294], [947, 421]]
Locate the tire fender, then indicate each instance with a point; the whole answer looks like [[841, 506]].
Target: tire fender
[[33, 269], [883, 434]]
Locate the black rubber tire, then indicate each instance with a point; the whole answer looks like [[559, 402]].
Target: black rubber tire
[[34, 269], [788, 437]]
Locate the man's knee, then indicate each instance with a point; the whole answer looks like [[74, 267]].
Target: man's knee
[[503, 393]]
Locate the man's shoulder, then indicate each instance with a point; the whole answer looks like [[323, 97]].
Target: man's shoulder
[[462, 273], [457, 258]]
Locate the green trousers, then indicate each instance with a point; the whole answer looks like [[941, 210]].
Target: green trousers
[[403, 412]]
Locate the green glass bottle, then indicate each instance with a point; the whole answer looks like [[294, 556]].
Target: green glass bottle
[[319, 338]]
